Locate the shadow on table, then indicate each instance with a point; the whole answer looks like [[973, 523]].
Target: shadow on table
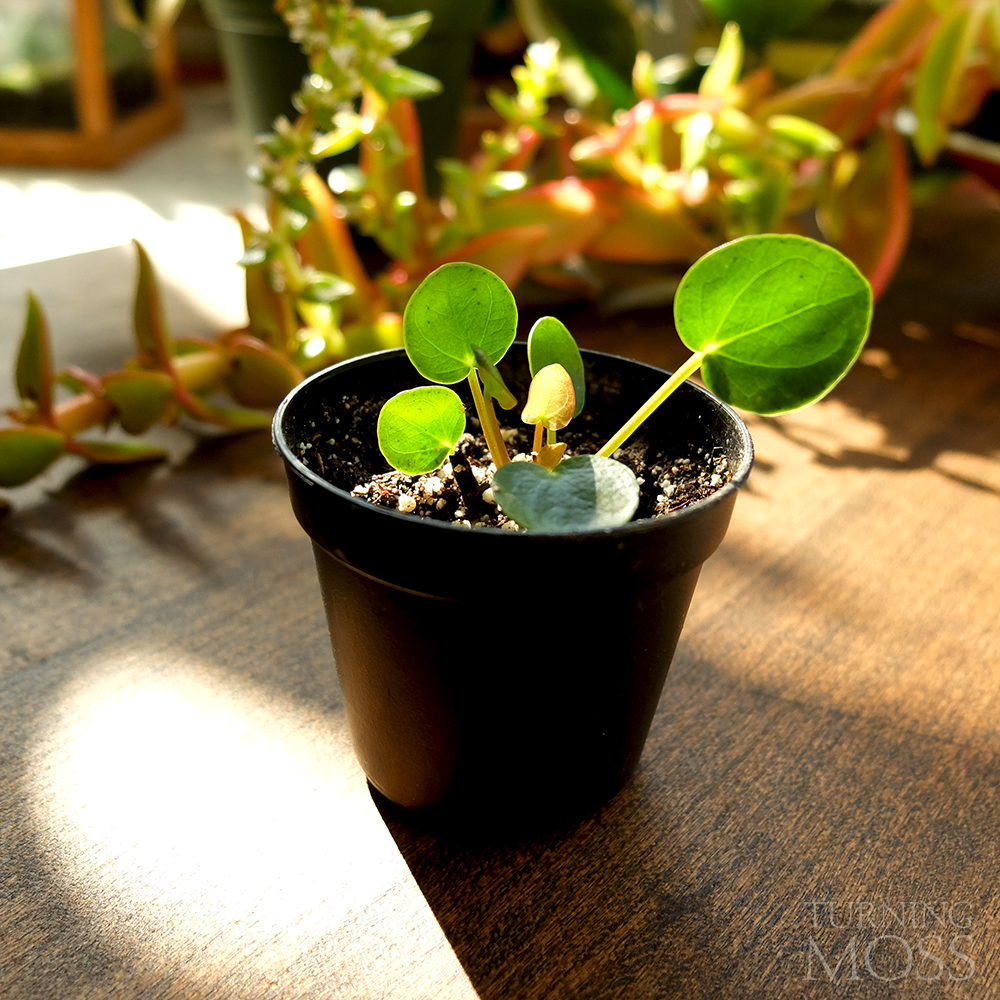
[[586, 910], [44, 536]]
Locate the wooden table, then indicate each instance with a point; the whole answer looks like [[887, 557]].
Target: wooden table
[[181, 814]]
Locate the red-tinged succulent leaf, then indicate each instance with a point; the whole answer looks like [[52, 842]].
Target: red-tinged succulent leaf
[[649, 228], [326, 245], [670, 108], [568, 209], [33, 372], [151, 331], [507, 252], [271, 313], [825, 100], [869, 219], [975, 84], [25, 452], [79, 380], [115, 452], [140, 398], [233, 417], [261, 376], [937, 82], [884, 36]]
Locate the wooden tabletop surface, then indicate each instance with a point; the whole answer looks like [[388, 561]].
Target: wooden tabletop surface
[[815, 813]]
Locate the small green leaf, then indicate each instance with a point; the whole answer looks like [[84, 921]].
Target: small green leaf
[[936, 80], [327, 288], [419, 428], [727, 64], [551, 400], [140, 398], [550, 343], [406, 82], [493, 383], [33, 372], [780, 320], [27, 451], [813, 139], [453, 308], [581, 493], [407, 29]]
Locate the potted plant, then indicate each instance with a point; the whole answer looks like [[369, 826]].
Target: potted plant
[[502, 674]]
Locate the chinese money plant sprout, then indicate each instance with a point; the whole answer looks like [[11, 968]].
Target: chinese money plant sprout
[[774, 322]]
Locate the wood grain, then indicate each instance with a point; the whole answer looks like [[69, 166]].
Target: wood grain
[[181, 814]]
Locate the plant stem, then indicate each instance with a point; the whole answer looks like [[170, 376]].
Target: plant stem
[[550, 436], [536, 445], [632, 425], [488, 421]]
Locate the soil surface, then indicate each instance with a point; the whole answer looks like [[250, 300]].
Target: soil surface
[[341, 449]]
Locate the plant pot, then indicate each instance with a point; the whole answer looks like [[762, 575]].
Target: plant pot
[[538, 701], [265, 67]]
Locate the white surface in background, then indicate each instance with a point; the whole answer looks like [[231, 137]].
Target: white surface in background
[[175, 197]]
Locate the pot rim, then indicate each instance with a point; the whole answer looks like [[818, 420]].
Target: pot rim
[[738, 479]]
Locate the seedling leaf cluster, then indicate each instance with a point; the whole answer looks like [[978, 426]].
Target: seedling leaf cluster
[[774, 322]]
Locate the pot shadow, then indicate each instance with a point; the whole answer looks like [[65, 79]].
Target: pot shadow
[[524, 912], [43, 535]]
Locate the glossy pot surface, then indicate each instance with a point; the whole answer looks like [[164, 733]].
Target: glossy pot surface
[[504, 673]]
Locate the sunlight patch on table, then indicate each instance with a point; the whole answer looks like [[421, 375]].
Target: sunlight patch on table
[[193, 813]]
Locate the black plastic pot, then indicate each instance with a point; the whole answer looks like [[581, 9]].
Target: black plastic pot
[[499, 674]]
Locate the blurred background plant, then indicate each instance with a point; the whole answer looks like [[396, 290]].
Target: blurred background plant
[[630, 139]]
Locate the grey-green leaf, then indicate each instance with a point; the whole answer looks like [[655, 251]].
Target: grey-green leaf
[[780, 320], [419, 428], [455, 307], [550, 343], [581, 493]]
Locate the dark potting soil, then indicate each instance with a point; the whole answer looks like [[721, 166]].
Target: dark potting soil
[[341, 448]]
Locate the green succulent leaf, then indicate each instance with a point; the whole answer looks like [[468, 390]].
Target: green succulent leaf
[[550, 343], [780, 320], [581, 493], [326, 288], [150, 326], [27, 451], [456, 308], [261, 377], [140, 398], [419, 428], [406, 82], [116, 452], [33, 372]]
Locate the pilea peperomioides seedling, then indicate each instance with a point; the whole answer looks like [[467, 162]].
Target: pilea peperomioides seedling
[[774, 323]]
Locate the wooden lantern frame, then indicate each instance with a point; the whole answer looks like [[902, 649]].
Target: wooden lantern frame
[[99, 140]]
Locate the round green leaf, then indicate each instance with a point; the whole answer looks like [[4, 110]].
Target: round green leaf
[[780, 320], [581, 493], [419, 428], [455, 307], [550, 343]]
